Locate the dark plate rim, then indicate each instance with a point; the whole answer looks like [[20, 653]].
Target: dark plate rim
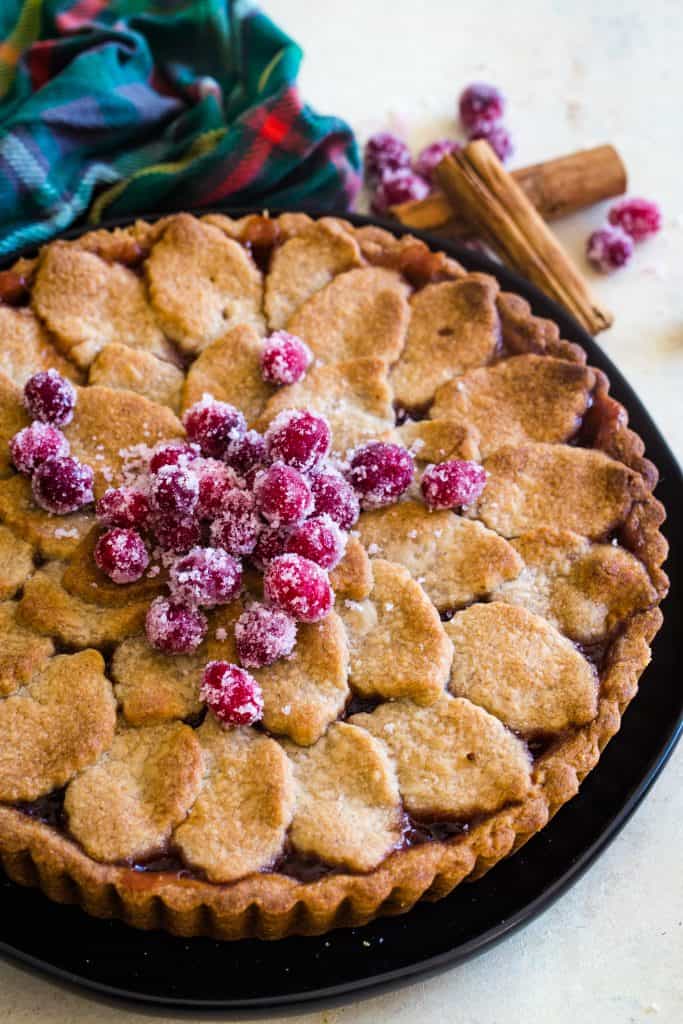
[[657, 448]]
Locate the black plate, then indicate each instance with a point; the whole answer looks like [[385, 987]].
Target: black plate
[[158, 971]]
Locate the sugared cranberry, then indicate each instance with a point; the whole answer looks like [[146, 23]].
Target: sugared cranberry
[[174, 629], [639, 218], [246, 453], [50, 398], [271, 543], [215, 480], [213, 425], [380, 473], [298, 438], [608, 249], [318, 539], [205, 577], [124, 507], [399, 187], [384, 154], [237, 525], [174, 491], [299, 587], [232, 694], [173, 454], [432, 155], [284, 359], [282, 495], [62, 484], [262, 635], [480, 106], [498, 138], [176, 534], [33, 445], [122, 555], [334, 496], [451, 484]]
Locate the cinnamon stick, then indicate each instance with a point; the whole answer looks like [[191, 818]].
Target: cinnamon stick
[[500, 212], [555, 187]]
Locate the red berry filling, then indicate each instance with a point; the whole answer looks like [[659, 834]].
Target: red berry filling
[[609, 249], [33, 445], [205, 577], [639, 218], [284, 359], [262, 635], [298, 438], [384, 154], [481, 106], [174, 491], [237, 525], [451, 484], [334, 496], [62, 484], [213, 425], [174, 629], [299, 587], [282, 495], [318, 539], [124, 507], [50, 398], [232, 694], [121, 554], [380, 473]]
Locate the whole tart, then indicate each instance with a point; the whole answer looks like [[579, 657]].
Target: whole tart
[[475, 664]]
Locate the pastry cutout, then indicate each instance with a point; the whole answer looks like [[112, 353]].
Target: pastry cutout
[[13, 417], [16, 563], [23, 652], [25, 347], [52, 536], [129, 369], [83, 579], [230, 370], [352, 578], [439, 440]]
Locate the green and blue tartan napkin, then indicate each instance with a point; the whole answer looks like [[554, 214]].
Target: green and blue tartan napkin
[[120, 107]]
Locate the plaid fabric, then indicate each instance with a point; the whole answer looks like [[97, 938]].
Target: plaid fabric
[[117, 107]]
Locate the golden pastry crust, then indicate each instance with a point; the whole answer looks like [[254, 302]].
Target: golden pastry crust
[[25, 347], [439, 440], [230, 370], [126, 369], [453, 759], [23, 652], [524, 398], [55, 727], [352, 578], [238, 822], [398, 645], [16, 563], [347, 808], [52, 536], [13, 418], [127, 804], [154, 687], [83, 579], [519, 668]]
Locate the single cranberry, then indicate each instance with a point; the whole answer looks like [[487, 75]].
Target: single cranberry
[[247, 453], [122, 555], [33, 445], [299, 587], [639, 218], [62, 484], [174, 629], [298, 438], [400, 187], [318, 539], [232, 694], [380, 473], [334, 496], [384, 154], [608, 249], [263, 635], [498, 138], [284, 359], [451, 484], [124, 507], [237, 525], [271, 542], [215, 480], [173, 454], [174, 491], [50, 398], [213, 425], [205, 577], [283, 495], [176, 534], [481, 106], [432, 155]]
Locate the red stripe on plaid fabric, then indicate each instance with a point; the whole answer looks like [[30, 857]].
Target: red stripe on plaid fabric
[[274, 129], [39, 62], [80, 15]]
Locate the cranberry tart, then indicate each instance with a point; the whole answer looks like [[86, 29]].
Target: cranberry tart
[[327, 571]]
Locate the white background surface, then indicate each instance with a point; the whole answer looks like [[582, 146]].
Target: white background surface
[[576, 73]]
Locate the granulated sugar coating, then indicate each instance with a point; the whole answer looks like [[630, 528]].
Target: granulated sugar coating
[[36, 443], [263, 635], [122, 555], [283, 495], [299, 587], [232, 694], [62, 484], [452, 484], [174, 629], [285, 358], [380, 473], [298, 438], [205, 577]]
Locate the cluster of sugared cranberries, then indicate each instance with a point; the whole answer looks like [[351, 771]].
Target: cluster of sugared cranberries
[[630, 221], [231, 693], [284, 358], [481, 109], [430, 157], [452, 484], [59, 482]]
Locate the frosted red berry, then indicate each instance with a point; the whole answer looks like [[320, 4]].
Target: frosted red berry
[[318, 539], [215, 480], [283, 495], [431, 156], [271, 543], [173, 628], [298, 438], [284, 358], [62, 484], [380, 473], [452, 484], [213, 425], [498, 138], [126, 507], [237, 524], [176, 534], [299, 587], [174, 454], [480, 106], [639, 218], [122, 555], [246, 453], [263, 635], [36, 443], [205, 577], [174, 491], [608, 249], [50, 398], [400, 187], [231, 694], [334, 496], [384, 154]]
